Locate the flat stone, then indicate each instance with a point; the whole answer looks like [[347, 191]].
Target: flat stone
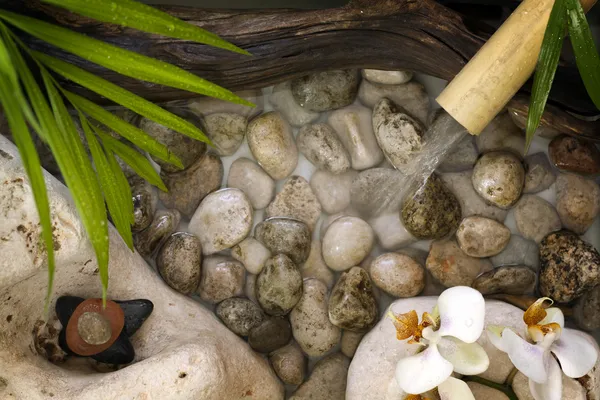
[[569, 267], [571, 388], [539, 174], [432, 211], [144, 198], [485, 392], [451, 267], [283, 101], [482, 237], [398, 275], [573, 155], [577, 202], [520, 120], [203, 106], [239, 315], [252, 253], [226, 131], [279, 285], [462, 157], [353, 125], [324, 91], [333, 191], [246, 175], [369, 185], [187, 188], [321, 146], [311, 327], [352, 304], [411, 96], [517, 280], [148, 241], [179, 262], [350, 342], [501, 135], [390, 231], [347, 242], [498, 177], [327, 380], [296, 200], [223, 219], [587, 310], [289, 364], [285, 236], [250, 288], [272, 144], [536, 218], [272, 334], [518, 251], [315, 267], [387, 77], [222, 278]]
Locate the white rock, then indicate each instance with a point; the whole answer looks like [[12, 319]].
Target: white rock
[[223, 219], [501, 134], [315, 267], [226, 131], [208, 105], [283, 101], [333, 191], [387, 77], [347, 242], [246, 175], [252, 253], [390, 231], [181, 336], [411, 96], [328, 220], [536, 218], [354, 128], [321, 146]]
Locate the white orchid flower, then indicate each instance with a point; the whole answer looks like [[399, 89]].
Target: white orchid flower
[[547, 335], [448, 337]]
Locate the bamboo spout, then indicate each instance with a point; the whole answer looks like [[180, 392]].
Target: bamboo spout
[[499, 69]]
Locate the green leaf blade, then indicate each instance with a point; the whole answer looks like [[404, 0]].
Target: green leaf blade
[[546, 68], [144, 18]]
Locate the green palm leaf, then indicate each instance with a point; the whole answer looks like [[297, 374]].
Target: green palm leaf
[[144, 18]]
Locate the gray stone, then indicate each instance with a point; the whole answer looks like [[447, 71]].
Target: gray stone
[[286, 236], [279, 285], [272, 334], [517, 280], [226, 131], [498, 177], [390, 231], [367, 185], [252, 253], [204, 106], [347, 242], [321, 146], [539, 174], [246, 175], [398, 275], [283, 101], [502, 135], [179, 262], [451, 267], [411, 96], [586, 311], [387, 77], [289, 364], [327, 380], [296, 200], [250, 288], [518, 251], [543, 130], [222, 278], [165, 222], [536, 218], [239, 315], [577, 202], [324, 91], [333, 191], [315, 267], [462, 157], [482, 237], [352, 304], [350, 342], [144, 198]]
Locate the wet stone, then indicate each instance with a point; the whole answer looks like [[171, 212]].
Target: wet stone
[[411, 96], [315, 267], [518, 251], [283, 101], [347, 242], [296, 200], [520, 120], [569, 266], [271, 334], [352, 304], [285, 236], [350, 342], [536, 218], [279, 285], [239, 315], [367, 185], [222, 278], [289, 364], [462, 157], [179, 262], [587, 310], [451, 267], [252, 253], [327, 380], [333, 191], [149, 240], [573, 155], [390, 231], [204, 106], [387, 77], [539, 174], [187, 188], [226, 131], [482, 237], [432, 211], [324, 91], [144, 198], [515, 280], [320, 145], [577, 202], [246, 175], [398, 275], [501, 135], [498, 177], [250, 288]]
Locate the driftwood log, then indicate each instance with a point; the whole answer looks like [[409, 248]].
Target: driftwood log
[[418, 35]]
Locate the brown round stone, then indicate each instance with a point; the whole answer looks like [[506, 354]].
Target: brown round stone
[[111, 313], [571, 154]]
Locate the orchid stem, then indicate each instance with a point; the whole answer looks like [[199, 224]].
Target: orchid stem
[[506, 389]]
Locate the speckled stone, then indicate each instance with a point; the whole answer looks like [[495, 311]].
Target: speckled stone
[[272, 334], [289, 364], [350, 342], [352, 304], [226, 131], [432, 211], [272, 144], [333, 191], [482, 237], [398, 275], [165, 222], [387, 77], [451, 267], [367, 185], [187, 188], [536, 218], [179, 262], [279, 285], [311, 327], [222, 278], [586, 311], [144, 199], [411, 96], [327, 380], [283, 101], [252, 253], [347, 242], [320, 145], [239, 315], [246, 175], [315, 267], [286, 236], [187, 149], [498, 177], [501, 135], [324, 91], [573, 155], [577, 202], [569, 266], [518, 251], [296, 200], [515, 280], [539, 174]]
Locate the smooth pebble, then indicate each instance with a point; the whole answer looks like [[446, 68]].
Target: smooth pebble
[[327, 380], [518, 251], [271, 334], [279, 285], [286, 236], [289, 364], [165, 222], [577, 202], [352, 304], [283, 101], [501, 134], [482, 237], [144, 199], [333, 191], [315, 267], [252, 253], [321, 146], [239, 315], [347, 241], [451, 266], [222, 278], [498, 177], [328, 90], [411, 96], [398, 275], [226, 131], [387, 77], [391, 232], [246, 175], [515, 280], [179, 262], [296, 200], [536, 218], [539, 174], [350, 342]]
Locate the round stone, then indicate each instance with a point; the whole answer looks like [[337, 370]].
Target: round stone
[[577, 202], [179, 262], [498, 177], [144, 199], [296, 200], [587, 310], [94, 328], [226, 131], [246, 175], [398, 275], [347, 241], [501, 135], [315, 267], [222, 278], [283, 101], [352, 304], [482, 237], [350, 342], [387, 77], [165, 222], [279, 285], [327, 380], [252, 253], [369, 185], [451, 266], [411, 96], [239, 315], [571, 154], [286, 236], [324, 91], [321, 146], [271, 334], [333, 191], [539, 174], [289, 364], [536, 218], [517, 280]]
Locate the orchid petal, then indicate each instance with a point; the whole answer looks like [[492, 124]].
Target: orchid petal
[[467, 358], [462, 312], [576, 353], [553, 314], [526, 357], [423, 371], [494, 333], [455, 389], [552, 389]]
